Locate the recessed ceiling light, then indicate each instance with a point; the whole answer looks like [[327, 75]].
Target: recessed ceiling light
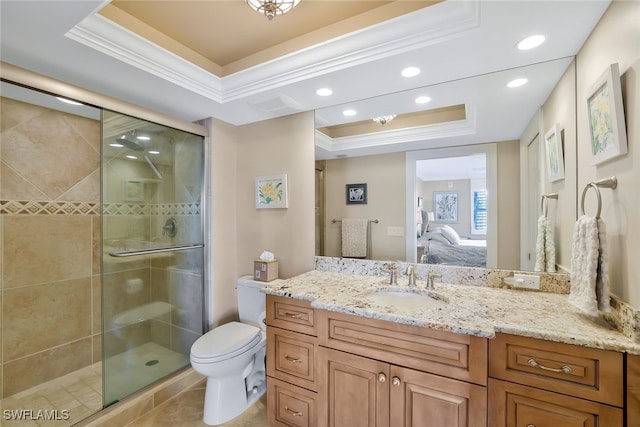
[[530, 42], [517, 82], [129, 156], [154, 152], [116, 145], [324, 91], [410, 72], [349, 113], [422, 100], [143, 138], [68, 101]]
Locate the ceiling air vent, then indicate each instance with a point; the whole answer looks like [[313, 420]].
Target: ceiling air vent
[[279, 105]]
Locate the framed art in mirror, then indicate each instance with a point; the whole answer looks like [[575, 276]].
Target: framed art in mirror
[[554, 153], [356, 194], [445, 206], [608, 136]]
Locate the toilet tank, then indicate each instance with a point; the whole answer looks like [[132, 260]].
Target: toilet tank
[[251, 302]]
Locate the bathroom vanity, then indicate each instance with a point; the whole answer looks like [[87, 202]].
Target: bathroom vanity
[[487, 357]]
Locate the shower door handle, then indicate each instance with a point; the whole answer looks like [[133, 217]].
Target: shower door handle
[[157, 250]]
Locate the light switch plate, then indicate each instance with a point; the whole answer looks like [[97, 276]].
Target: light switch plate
[[395, 231], [526, 281]]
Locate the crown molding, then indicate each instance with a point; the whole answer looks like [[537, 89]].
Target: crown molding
[[424, 27]]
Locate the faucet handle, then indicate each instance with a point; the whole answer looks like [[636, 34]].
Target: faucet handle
[[430, 278], [411, 272]]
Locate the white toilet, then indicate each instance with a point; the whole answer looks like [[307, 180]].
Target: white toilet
[[232, 357]]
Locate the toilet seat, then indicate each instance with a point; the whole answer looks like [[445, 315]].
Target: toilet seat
[[225, 342]]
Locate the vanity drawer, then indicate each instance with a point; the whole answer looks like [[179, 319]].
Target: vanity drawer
[[292, 314], [512, 405], [291, 357], [289, 405], [458, 356], [569, 369]]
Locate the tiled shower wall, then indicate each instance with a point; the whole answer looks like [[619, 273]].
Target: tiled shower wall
[[49, 244]]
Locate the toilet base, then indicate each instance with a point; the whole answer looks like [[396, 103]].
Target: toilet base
[[226, 398]]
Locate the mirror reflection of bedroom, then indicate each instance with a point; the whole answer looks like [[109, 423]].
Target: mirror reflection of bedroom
[[451, 210]]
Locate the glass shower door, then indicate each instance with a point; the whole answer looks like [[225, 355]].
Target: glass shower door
[[152, 251]]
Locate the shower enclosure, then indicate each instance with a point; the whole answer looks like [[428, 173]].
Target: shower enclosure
[[101, 255]]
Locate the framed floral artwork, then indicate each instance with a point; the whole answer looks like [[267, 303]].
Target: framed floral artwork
[[608, 135], [554, 153], [356, 194], [271, 192]]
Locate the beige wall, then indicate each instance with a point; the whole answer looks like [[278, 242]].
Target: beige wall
[[385, 178], [560, 109], [615, 39], [282, 145], [508, 155]]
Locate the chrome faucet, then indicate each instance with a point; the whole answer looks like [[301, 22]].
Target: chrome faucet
[[430, 278], [411, 273]]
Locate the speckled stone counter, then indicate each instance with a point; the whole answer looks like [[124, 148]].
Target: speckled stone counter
[[475, 310]]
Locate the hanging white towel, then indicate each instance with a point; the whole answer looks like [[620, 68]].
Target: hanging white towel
[[354, 237], [589, 267], [545, 246]]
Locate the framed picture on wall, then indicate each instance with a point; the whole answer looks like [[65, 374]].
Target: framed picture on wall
[[608, 135], [271, 192], [356, 194], [554, 153], [445, 206]]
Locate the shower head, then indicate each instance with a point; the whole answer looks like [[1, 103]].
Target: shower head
[[133, 145]]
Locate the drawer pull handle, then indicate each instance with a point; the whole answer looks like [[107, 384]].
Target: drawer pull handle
[[565, 369], [294, 315], [294, 413], [395, 381], [292, 359], [382, 377], [531, 425]]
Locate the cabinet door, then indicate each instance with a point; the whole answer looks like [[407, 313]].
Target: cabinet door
[[353, 390], [515, 405], [425, 400]]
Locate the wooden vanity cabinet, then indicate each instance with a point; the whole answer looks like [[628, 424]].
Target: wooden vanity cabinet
[[546, 384], [291, 358], [379, 373]]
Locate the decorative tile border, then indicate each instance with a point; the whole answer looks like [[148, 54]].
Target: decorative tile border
[[21, 207], [31, 207]]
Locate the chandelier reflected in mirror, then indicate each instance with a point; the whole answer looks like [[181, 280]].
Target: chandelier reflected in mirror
[[383, 120], [271, 8]]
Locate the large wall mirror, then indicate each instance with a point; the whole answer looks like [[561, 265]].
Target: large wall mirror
[[471, 161]]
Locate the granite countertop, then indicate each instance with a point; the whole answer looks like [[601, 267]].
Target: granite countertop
[[474, 310]]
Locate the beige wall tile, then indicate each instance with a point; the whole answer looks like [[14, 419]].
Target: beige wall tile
[[46, 248], [14, 187], [116, 300], [86, 190], [87, 128], [42, 316], [49, 153], [16, 112], [29, 371], [97, 348], [96, 304], [96, 244]]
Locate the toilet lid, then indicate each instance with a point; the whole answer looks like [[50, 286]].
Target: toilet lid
[[225, 341]]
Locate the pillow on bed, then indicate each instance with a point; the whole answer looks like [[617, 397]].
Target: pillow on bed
[[450, 234], [438, 237]]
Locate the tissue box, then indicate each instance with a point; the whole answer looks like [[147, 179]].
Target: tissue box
[[265, 271]]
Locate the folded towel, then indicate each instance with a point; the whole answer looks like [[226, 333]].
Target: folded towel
[[545, 246], [354, 237], [589, 267]]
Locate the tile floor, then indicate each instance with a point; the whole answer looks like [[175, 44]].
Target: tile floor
[[185, 410]]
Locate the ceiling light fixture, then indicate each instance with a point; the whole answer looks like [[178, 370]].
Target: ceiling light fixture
[[68, 101], [422, 100], [271, 8], [517, 82], [530, 42], [325, 91], [153, 152], [116, 145], [410, 72], [349, 113], [383, 120]]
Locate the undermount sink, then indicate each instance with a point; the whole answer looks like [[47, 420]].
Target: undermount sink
[[405, 298]]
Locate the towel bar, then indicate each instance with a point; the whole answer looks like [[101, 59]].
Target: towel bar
[[543, 205], [333, 221], [605, 183]]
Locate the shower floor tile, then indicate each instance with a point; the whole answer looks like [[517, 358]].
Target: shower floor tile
[[78, 393]]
